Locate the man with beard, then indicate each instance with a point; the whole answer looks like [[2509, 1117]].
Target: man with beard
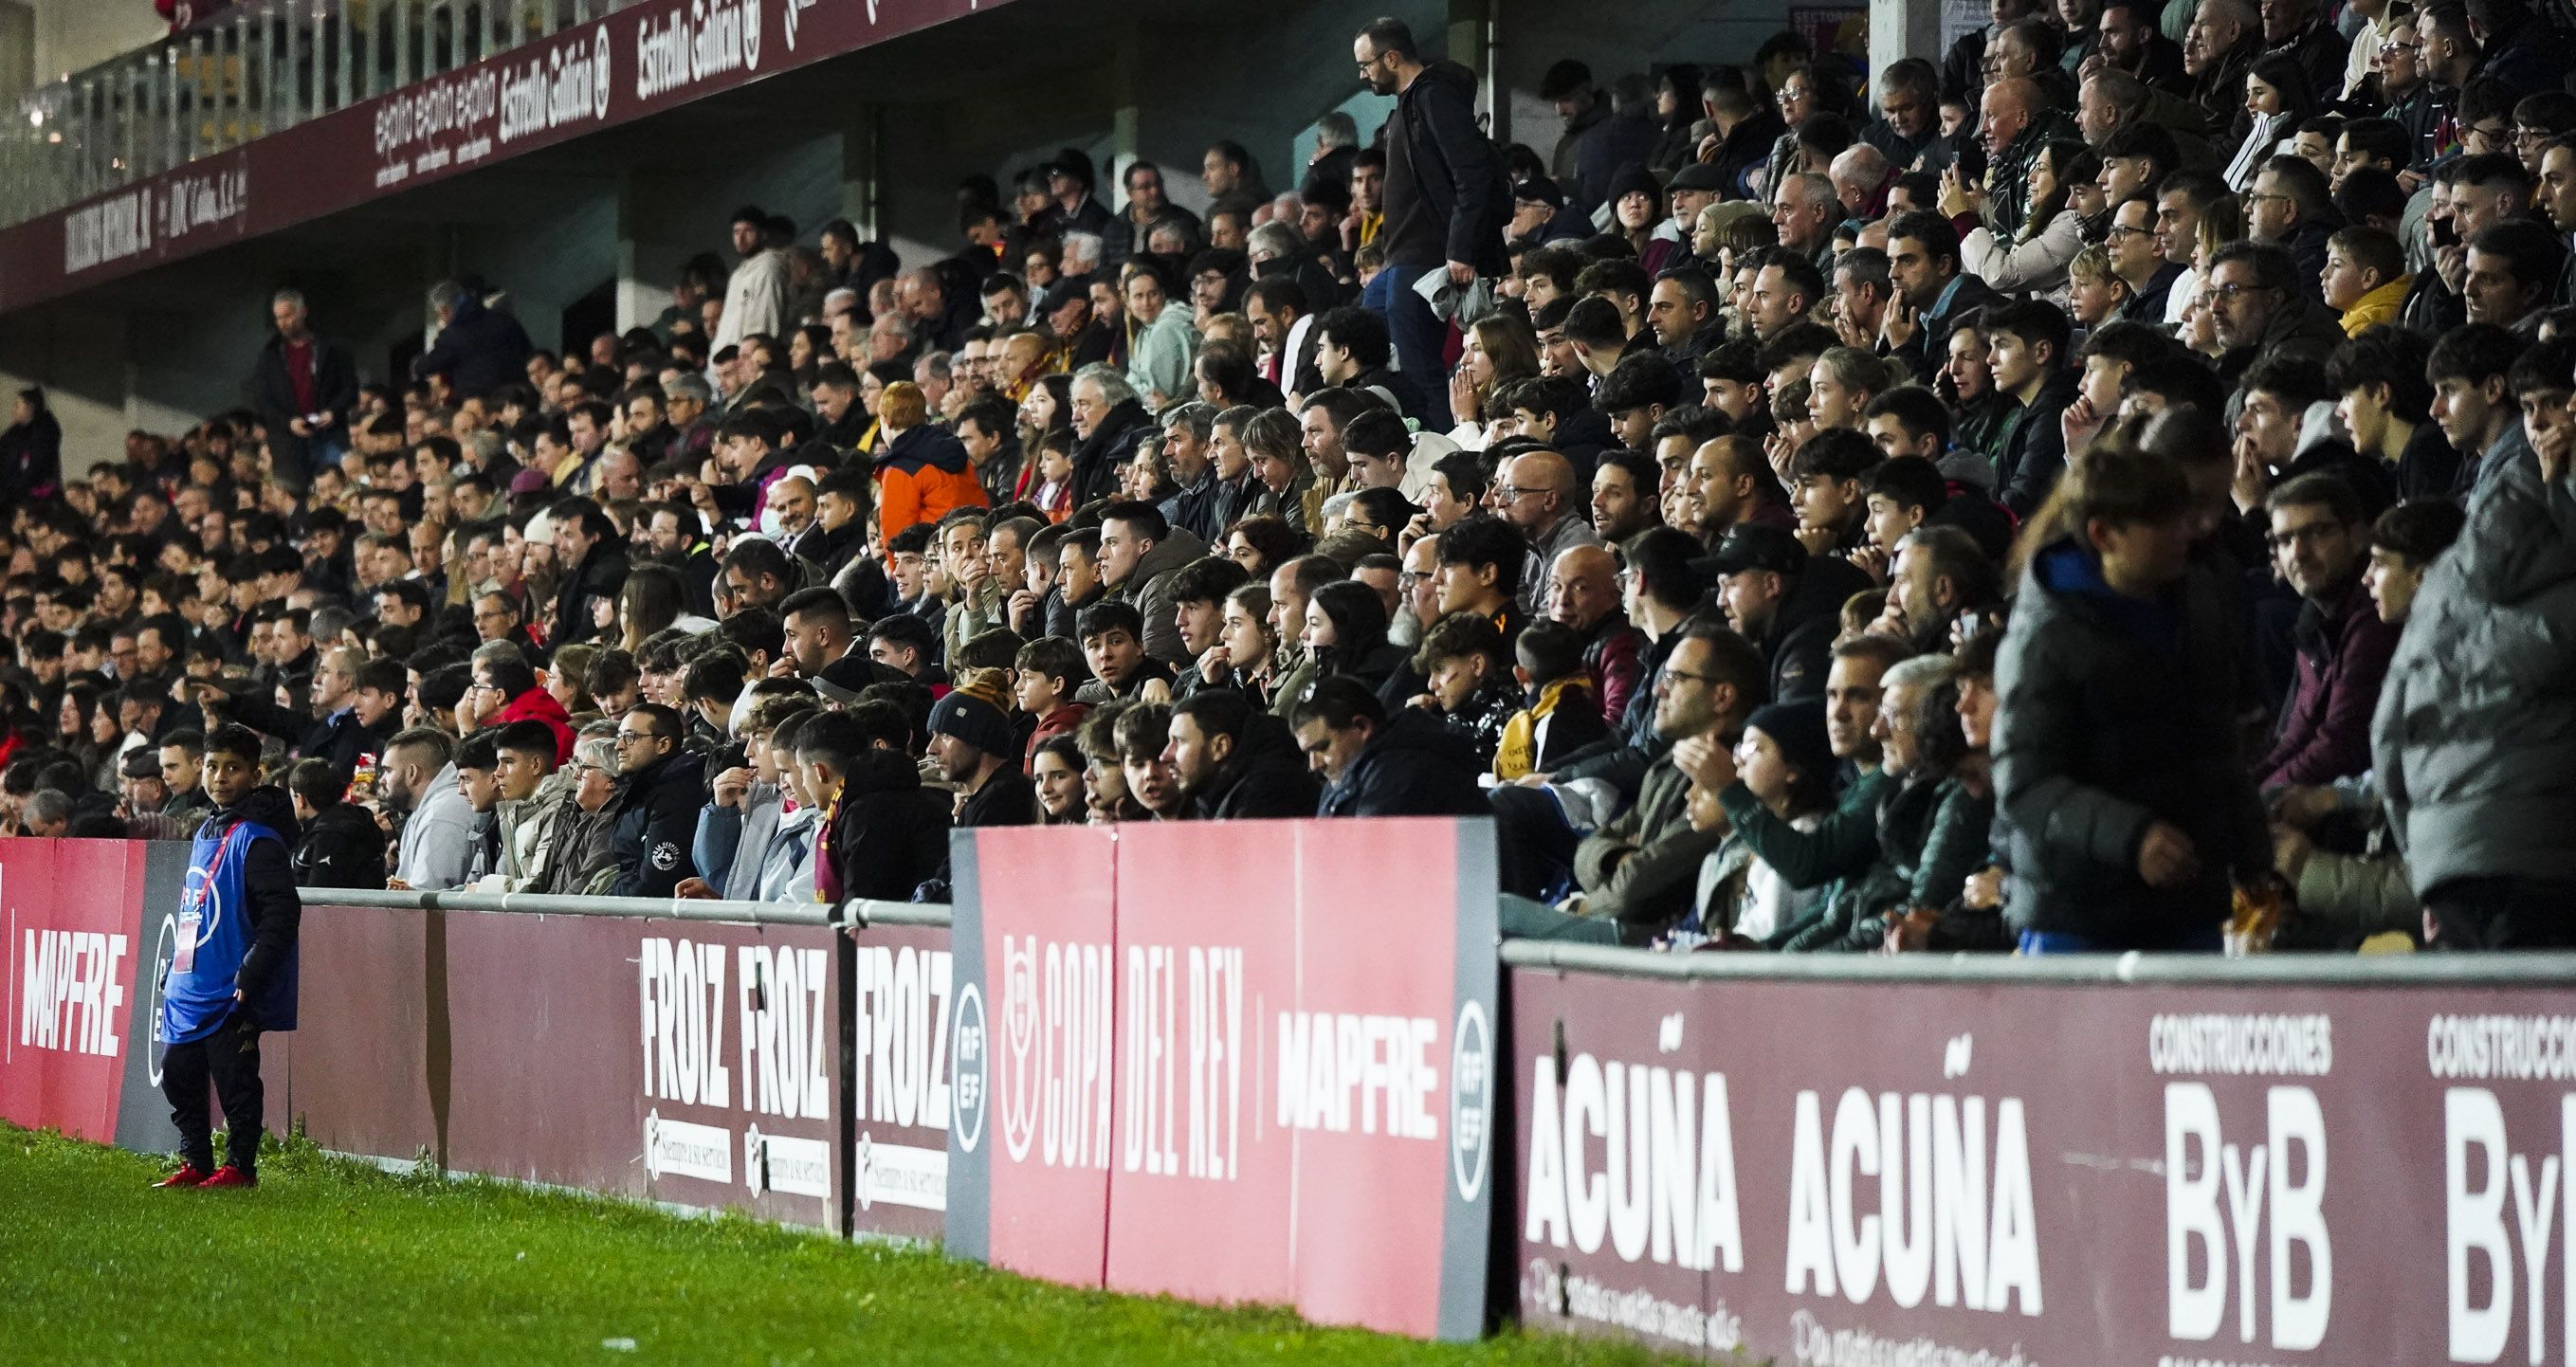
[[1939, 576], [1236, 762], [673, 539]]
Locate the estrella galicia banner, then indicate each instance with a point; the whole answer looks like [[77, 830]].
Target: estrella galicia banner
[[1273, 1038], [2046, 1176]]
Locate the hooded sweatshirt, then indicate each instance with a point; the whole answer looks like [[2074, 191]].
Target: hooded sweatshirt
[[922, 476]]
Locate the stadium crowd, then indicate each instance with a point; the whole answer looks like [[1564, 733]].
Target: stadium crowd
[[2105, 490]]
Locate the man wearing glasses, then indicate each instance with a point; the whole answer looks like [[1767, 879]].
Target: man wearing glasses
[[660, 787], [2131, 244]]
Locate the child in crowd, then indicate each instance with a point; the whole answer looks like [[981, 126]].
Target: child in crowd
[[1564, 711], [1049, 671], [1471, 688], [1054, 495]]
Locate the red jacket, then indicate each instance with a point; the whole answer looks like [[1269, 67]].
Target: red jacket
[[539, 705]]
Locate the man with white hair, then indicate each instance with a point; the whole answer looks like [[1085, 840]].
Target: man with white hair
[[1805, 209], [1860, 176]]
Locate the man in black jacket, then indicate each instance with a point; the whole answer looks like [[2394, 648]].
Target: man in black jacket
[[660, 788], [478, 350], [302, 388], [594, 561], [972, 741], [1447, 198], [357, 707], [2118, 772], [342, 846], [883, 834], [1235, 761], [1375, 765], [1785, 601]]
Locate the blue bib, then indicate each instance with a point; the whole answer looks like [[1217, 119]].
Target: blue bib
[[213, 936]]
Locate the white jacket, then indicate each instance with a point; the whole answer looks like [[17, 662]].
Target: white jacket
[[2037, 266]]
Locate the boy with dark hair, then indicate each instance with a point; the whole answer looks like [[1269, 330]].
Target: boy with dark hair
[[233, 974], [1113, 641], [1563, 713], [2386, 402], [2027, 351], [1049, 672], [1825, 490]]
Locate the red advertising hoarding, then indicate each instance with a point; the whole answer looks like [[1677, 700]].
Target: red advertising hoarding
[[687, 1062], [71, 910], [1271, 1039], [639, 61], [1829, 1172]]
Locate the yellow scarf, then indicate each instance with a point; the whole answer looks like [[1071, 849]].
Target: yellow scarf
[[1517, 755]]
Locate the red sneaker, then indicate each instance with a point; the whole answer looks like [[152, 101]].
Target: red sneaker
[[229, 1176], [186, 1176]]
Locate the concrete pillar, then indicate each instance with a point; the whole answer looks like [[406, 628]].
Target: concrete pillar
[[1125, 129], [1899, 29], [1472, 37], [863, 183]]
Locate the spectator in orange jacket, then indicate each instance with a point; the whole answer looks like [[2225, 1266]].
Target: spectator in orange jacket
[[922, 471]]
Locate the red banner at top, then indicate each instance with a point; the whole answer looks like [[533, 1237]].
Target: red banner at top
[[639, 61]]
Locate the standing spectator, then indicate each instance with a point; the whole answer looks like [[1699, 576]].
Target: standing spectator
[[1447, 198], [2116, 763], [2471, 740], [302, 388], [479, 349], [755, 301]]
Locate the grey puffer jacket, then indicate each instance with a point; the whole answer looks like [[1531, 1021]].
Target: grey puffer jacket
[[2475, 737]]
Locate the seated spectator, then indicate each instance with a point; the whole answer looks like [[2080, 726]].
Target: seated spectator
[[1468, 681], [1235, 761], [2320, 544], [972, 743], [1561, 711], [1143, 735], [1638, 872], [881, 834], [659, 787], [1374, 764], [1113, 643], [1785, 763], [2343, 898], [582, 862], [340, 845]]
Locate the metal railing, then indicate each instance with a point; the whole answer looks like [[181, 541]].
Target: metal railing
[[2109, 970], [246, 71], [857, 912]]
